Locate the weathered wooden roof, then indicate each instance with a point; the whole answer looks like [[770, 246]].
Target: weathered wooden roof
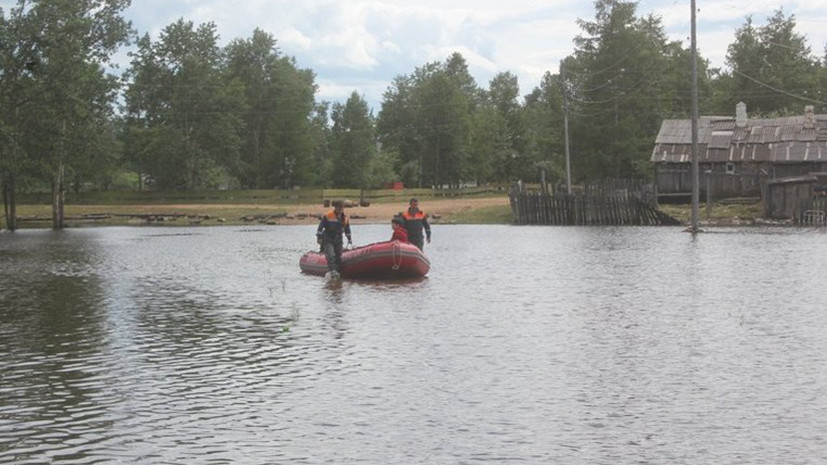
[[679, 131], [791, 139]]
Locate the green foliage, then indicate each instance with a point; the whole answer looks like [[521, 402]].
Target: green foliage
[[543, 115], [56, 100], [185, 120], [426, 118], [773, 69], [382, 170], [352, 143], [198, 116], [623, 81]]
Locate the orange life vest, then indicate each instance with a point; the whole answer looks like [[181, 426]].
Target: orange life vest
[[331, 227], [415, 222]]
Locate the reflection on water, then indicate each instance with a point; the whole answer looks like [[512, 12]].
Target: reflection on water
[[534, 345]]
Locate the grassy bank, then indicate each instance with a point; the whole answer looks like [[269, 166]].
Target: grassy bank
[[487, 209], [482, 209], [123, 215], [728, 212], [500, 214], [304, 196]]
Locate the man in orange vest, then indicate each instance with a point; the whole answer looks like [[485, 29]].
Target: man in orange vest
[[329, 235], [415, 221]]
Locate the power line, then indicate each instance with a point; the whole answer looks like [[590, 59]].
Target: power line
[[781, 91]]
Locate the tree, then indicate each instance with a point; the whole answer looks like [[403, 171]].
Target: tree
[[488, 146], [543, 114], [622, 79], [353, 142], [773, 70], [183, 119], [502, 96], [16, 61], [56, 51], [426, 119], [442, 122], [321, 163], [279, 104], [395, 128]]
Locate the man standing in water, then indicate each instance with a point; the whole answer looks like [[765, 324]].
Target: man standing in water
[[329, 235], [415, 221]]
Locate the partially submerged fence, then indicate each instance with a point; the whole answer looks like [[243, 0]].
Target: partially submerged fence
[[812, 212], [613, 202]]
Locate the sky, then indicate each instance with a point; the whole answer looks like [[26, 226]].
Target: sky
[[361, 45]]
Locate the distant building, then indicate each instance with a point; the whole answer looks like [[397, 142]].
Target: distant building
[[739, 154]]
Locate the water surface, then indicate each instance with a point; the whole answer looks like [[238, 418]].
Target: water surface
[[523, 345]]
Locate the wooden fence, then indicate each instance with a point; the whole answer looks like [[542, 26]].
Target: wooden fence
[[598, 204], [812, 212]]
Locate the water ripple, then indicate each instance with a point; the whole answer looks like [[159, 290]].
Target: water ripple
[[532, 345]]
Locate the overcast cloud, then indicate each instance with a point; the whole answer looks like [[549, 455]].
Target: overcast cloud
[[361, 45]]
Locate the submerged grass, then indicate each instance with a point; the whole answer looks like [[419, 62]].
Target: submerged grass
[[484, 215], [723, 211]]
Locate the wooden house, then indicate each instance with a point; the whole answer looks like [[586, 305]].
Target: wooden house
[[737, 156]]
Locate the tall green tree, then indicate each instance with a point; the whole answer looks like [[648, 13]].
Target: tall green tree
[[183, 119], [395, 128], [442, 122], [426, 119], [321, 162], [17, 58], [67, 95], [543, 115], [353, 142], [277, 138], [511, 158], [773, 69], [622, 78], [488, 146]]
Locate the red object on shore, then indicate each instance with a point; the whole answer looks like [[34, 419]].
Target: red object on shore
[[381, 260]]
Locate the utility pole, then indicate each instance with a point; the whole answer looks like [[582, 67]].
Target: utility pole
[[565, 90], [695, 170]]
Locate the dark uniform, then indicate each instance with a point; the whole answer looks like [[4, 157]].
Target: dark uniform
[[329, 233], [415, 222]]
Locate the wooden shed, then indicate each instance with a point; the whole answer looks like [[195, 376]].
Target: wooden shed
[[789, 198]]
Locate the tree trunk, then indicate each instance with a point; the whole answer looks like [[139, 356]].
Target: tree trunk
[[58, 199], [436, 163], [10, 202]]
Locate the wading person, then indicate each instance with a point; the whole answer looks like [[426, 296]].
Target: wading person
[[333, 225], [415, 221], [399, 232]]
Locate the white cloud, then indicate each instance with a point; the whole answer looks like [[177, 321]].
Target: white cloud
[[363, 44], [295, 39]]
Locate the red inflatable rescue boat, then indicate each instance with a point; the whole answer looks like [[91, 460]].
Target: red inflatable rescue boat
[[383, 260]]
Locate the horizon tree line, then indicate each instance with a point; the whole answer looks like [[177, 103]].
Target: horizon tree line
[[188, 114]]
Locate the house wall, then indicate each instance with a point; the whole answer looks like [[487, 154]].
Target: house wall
[[788, 200], [739, 179], [796, 169], [676, 178]]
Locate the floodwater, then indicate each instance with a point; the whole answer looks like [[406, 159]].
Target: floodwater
[[534, 345]]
